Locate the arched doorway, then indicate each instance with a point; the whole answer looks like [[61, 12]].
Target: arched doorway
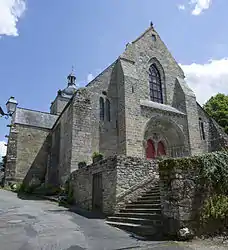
[[150, 150], [163, 137], [161, 149]]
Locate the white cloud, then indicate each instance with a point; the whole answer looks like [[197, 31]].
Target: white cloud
[[181, 7], [90, 77], [198, 6], [207, 79], [2, 149], [10, 13]]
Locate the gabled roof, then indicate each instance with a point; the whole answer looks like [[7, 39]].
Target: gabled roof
[[34, 118]]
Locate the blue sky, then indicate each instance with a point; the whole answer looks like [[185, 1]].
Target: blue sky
[[41, 40]]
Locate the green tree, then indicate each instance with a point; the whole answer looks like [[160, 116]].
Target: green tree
[[217, 108]]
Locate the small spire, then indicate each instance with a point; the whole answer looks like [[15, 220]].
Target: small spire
[[151, 24], [71, 77], [72, 70]]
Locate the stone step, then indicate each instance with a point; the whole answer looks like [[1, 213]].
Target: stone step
[[152, 216], [151, 194], [148, 200], [141, 210], [141, 221], [142, 230], [153, 190], [143, 205]]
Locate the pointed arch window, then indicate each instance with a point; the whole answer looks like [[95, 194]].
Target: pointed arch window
[[108, 110], [155, 84], [101, 109]]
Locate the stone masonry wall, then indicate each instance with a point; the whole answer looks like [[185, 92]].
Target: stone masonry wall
[[81, 128], [123, 178], [135, 63], [32, 152], [60, 155], [181, 195], [81, 181], [134, 176], [104, 133], [10, 170]]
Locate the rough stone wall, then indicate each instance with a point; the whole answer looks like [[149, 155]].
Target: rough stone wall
[[58, 105], [135, 63], [82, 184], [104, 133], [11, 155], [122, 179], [205, 144], [82, 127], [181, 196], [61, 151], [32, 146], [215, 138], [134, 176], [218, 138], [132, 171], [120, 119]]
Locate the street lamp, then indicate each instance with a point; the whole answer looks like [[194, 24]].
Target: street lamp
[[11, 106]]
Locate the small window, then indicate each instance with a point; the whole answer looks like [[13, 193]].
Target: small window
[[132, 89], [202, 131], [101, 109], [153, 38], [108, 111]]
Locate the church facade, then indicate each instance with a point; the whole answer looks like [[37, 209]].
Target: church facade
[[139, 106]]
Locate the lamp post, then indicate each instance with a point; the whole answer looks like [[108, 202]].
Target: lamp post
[[11, 106]]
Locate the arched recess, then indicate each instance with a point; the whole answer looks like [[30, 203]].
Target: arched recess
[[168, 138], [102, 108], [154, 61], [108, 110]]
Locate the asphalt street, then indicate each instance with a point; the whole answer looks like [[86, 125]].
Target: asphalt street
[[39, 224]]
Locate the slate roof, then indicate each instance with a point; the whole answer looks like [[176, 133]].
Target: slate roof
[[160, 106], [34, 118]]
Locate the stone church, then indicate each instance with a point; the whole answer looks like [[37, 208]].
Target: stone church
[[139, 106]]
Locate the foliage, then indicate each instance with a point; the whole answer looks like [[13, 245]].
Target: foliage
[[215, 170], [214, 214], [215, 207], [217, 108], [22, 188], [82, 164], [212, 175], [68, 194], [97, 156]]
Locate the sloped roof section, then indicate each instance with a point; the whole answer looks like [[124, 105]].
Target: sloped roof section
[[34, 118], [160, 106]]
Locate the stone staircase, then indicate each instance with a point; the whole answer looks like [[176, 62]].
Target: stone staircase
[[142, 217]]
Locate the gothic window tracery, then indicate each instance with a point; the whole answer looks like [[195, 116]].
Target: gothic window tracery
[[155, 84]]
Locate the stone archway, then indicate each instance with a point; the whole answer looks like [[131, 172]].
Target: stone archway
[[163, 137]]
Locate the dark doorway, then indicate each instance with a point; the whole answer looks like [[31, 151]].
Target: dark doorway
[[150, 150], [97, 192], [161, 149]]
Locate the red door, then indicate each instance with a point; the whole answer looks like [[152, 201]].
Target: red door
[[150, 150], [161, 149]]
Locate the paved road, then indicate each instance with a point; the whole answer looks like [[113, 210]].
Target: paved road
[[36, 225]]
